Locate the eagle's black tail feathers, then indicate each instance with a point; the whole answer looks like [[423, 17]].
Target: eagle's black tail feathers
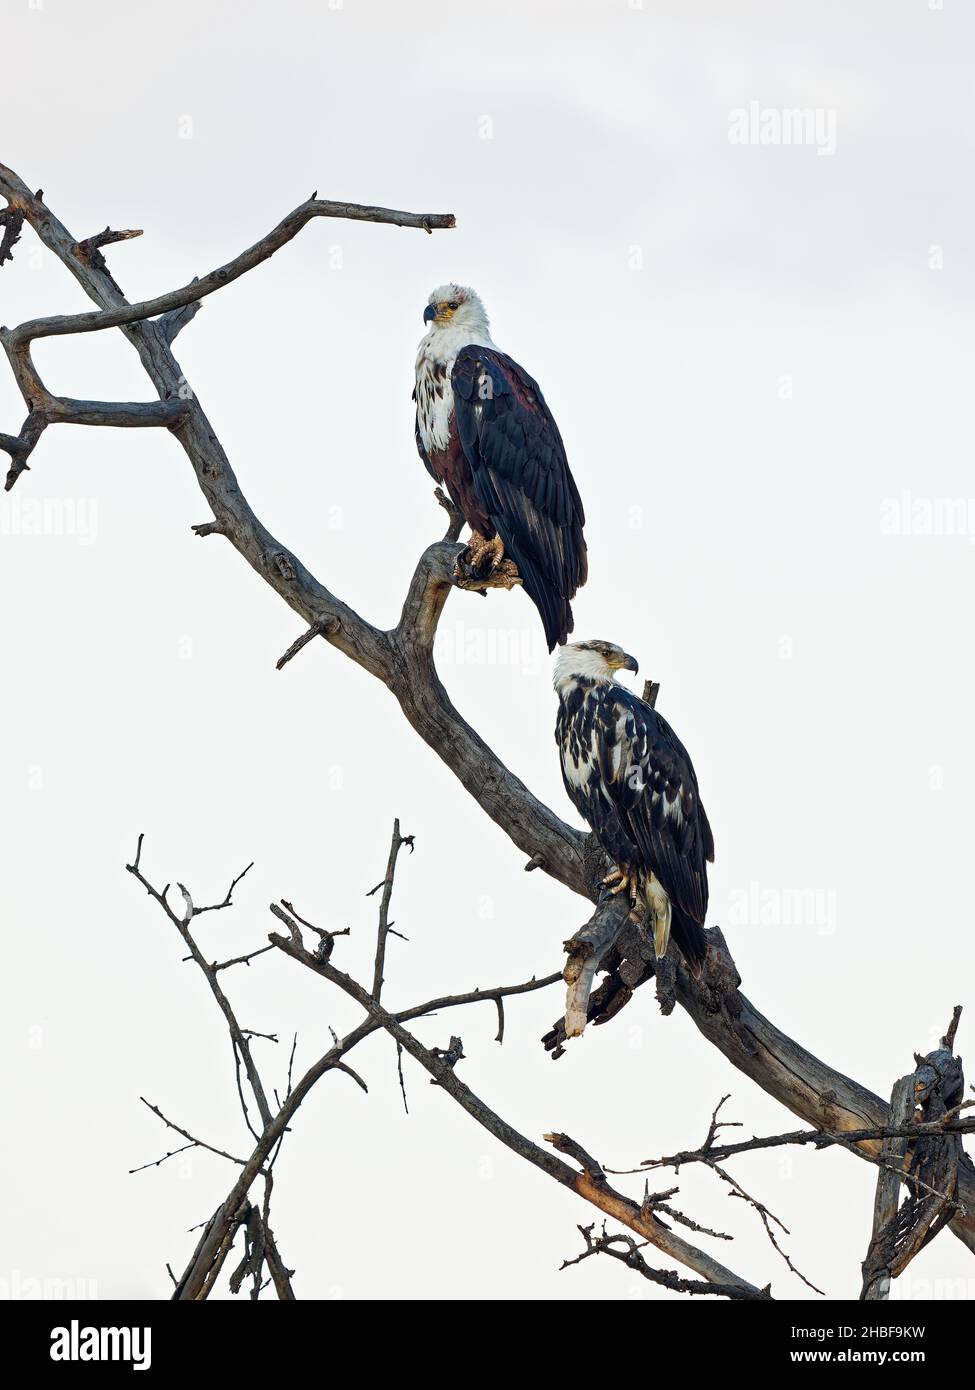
[[689, 935], [554, 611], [553, 606]]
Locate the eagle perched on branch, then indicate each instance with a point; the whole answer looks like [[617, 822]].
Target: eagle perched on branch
[[484, 431], [630, 777]]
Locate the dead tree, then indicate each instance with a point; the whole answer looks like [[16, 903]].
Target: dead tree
[[931, 1136], [402, 658], [269, 1123]]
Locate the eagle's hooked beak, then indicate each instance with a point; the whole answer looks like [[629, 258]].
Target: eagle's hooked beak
[[629, 663], [429, 313]]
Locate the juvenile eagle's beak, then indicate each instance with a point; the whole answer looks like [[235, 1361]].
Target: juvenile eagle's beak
[[429, 313], [629, 663]]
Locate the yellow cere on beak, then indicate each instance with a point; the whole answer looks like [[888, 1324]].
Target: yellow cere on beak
[[624, 662], [444, 313]]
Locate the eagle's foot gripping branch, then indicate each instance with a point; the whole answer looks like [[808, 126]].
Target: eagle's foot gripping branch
[[623, 880], [483, 565]]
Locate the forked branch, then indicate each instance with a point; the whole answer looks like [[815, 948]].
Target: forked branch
[[235, 1213]]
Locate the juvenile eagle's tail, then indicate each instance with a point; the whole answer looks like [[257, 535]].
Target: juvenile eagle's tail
[[690, 938], [670, 920]]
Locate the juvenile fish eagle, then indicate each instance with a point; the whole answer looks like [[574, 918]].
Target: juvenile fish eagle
[[484, 431], [630, 777]]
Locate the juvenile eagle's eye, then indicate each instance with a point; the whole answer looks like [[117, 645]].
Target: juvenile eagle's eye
[[452, 305]]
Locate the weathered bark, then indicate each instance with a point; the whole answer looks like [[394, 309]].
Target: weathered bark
[[879, 1258]]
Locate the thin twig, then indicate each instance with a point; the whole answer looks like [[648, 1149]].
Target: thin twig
[[396, 844], [669, 1279], [238, 960], [325, 627], [399, 1069], [199, 1143], [238, 1036]]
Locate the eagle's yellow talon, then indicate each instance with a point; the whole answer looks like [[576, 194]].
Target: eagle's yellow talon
[[621, 880], [624, 883]]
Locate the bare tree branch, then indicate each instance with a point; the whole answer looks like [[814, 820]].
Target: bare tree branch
[[629, 1254], [182, 925], [817, 1138], [589, 1183], [931, 1160], [384, 923], [876, 1265], [235, 1212], [11, 220], [280, 1273], [706, 1154], [59, 325], [844, 1113], [194, 1143], [237, 960], [91, 247]]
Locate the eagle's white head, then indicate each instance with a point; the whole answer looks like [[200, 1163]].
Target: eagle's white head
[[593, 660], [457, 309]]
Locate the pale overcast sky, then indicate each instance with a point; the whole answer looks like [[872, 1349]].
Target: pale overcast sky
[[755, 336]]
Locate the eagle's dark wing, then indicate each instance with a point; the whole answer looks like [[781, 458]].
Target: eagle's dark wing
[[522, 478], [631, 777]]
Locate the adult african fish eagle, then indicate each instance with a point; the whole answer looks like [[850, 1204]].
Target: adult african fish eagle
[[484, 431], [630, 777]]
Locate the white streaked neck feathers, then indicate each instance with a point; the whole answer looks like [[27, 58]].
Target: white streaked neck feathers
[[434, 362], [442, 344], [580, 663]]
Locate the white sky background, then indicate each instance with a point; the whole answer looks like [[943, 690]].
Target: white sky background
[[660, 282]]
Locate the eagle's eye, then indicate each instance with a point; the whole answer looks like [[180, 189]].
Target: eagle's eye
[[452, 305]]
